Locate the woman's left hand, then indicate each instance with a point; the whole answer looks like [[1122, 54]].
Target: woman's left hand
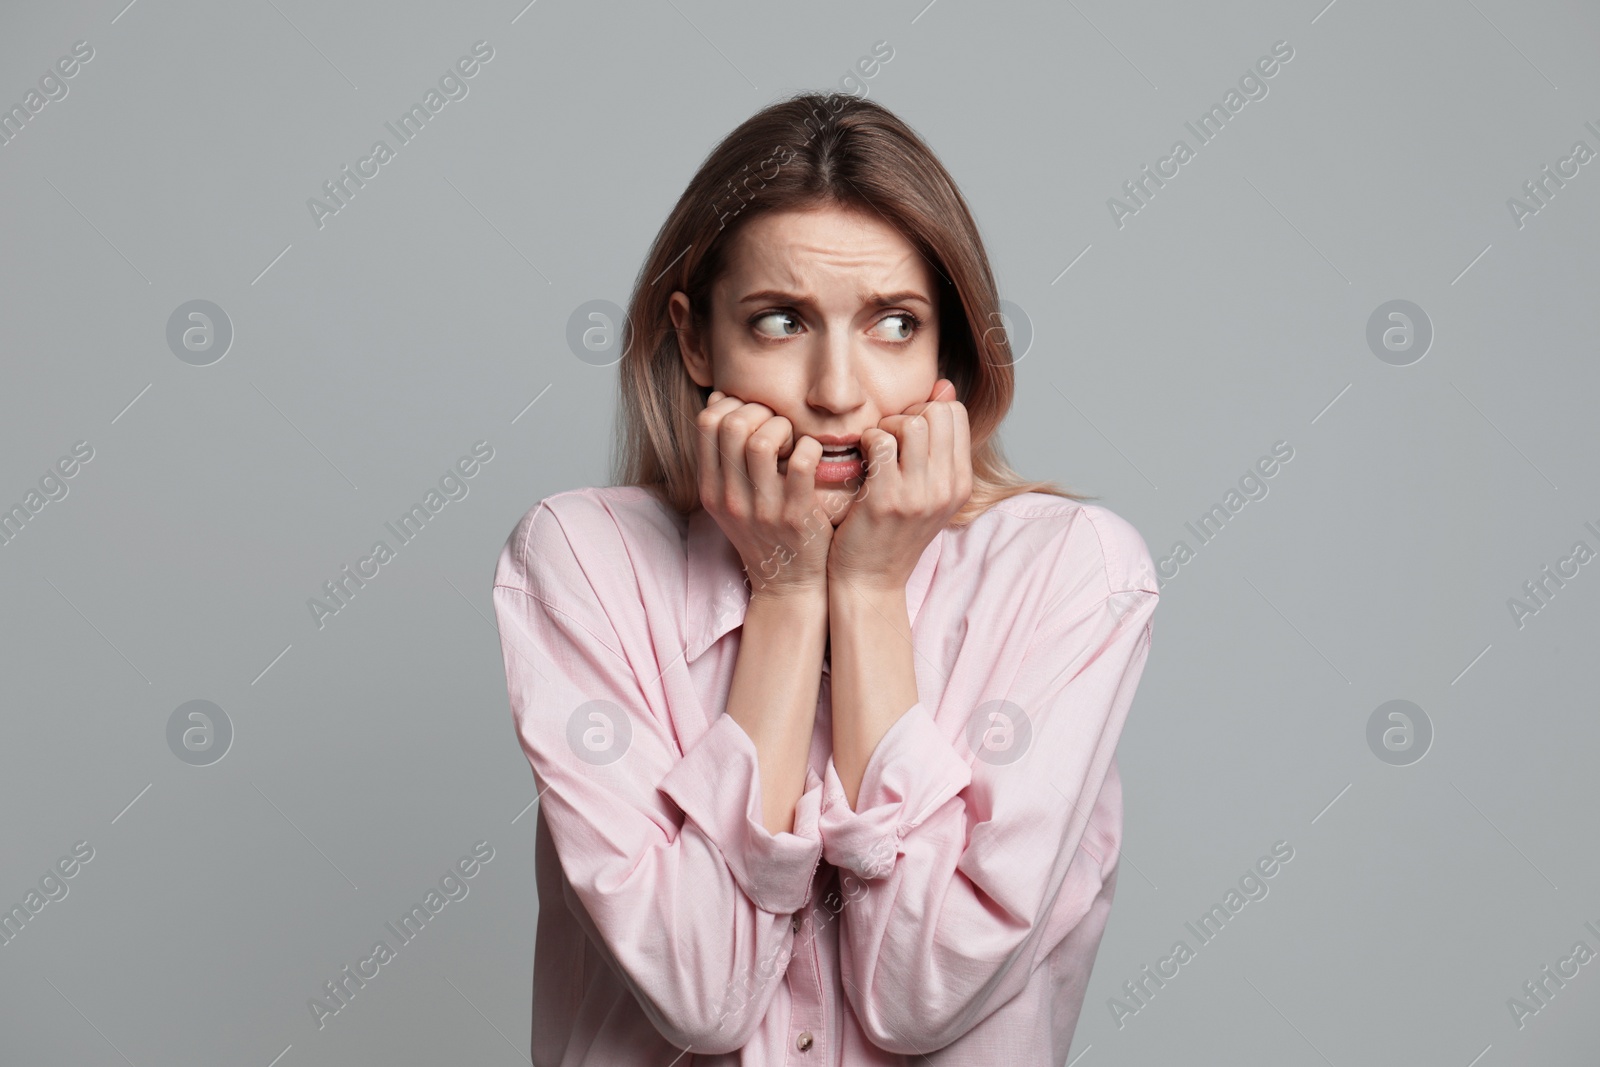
[[919, 475]]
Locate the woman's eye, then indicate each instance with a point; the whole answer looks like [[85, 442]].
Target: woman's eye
[[776, 315], [909, 320], [903, 325]]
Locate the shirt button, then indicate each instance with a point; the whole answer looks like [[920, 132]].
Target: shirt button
[[803, 1042], [794, 924]]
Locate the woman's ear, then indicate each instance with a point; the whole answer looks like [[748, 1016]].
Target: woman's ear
[[691, 347]]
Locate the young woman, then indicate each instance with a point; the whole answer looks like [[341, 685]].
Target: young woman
[[749, 851]]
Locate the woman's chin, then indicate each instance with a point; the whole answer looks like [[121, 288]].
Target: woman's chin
[[836, 502]]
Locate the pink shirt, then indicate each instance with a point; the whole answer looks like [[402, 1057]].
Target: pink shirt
[[955, 913]]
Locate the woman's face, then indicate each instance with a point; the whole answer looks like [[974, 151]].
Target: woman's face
[[827, 317]]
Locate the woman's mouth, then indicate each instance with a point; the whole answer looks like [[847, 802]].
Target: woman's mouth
[[840, 464]]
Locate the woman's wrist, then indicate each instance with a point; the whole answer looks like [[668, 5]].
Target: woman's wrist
[[802, 599], [844, 588], [852, 603]]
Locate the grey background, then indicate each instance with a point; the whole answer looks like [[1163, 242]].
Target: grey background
[[1229, 314]]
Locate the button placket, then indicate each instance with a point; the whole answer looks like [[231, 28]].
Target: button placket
[[807, 1007]]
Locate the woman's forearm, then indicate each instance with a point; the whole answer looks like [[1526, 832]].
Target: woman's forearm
[[776, 680], [874, 674]]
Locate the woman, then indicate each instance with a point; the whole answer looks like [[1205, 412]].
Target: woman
[[748, 852]]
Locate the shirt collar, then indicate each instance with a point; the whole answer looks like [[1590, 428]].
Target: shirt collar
[[717, 597]]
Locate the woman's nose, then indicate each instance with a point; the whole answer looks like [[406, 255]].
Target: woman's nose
[[836, 382]]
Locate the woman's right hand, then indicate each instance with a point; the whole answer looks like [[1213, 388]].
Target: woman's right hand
[[764, 513]]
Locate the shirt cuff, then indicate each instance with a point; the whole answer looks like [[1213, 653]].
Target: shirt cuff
[[911, 774], [717, 784]]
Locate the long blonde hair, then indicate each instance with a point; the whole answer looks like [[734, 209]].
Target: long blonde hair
[[810, 150]]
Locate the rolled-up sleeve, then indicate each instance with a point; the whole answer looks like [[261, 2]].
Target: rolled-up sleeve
[[971, 859], [912, 773], [681, 885], [717, 784]]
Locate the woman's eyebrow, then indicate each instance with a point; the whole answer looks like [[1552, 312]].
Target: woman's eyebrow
[[778, 296]]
